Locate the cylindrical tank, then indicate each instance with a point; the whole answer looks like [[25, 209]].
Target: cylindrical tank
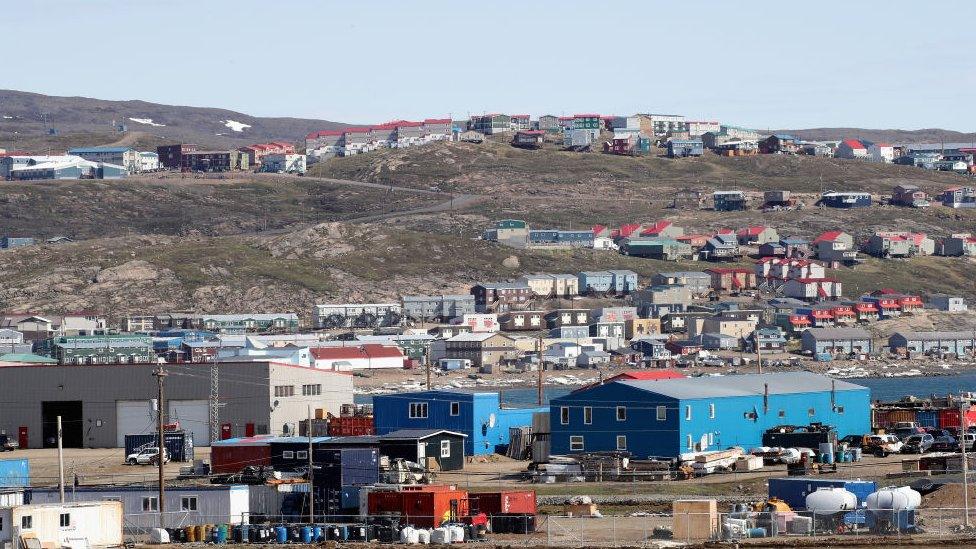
[[201, 533], [831, 500], [305, 534], [440, 535], [423, 536], [221, 533], [894, 498], [281, 534], [190, 534], [457, 533]]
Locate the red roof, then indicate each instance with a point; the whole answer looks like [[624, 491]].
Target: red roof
[[854, 144], [648, 375], [729, 270], [828, 236], [752, 231], [368, 350], [627, 230], [656, 228], [586, 115], [437, 121], [323, 133]]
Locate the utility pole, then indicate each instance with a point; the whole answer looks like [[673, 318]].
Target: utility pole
[[427, 363], [541, 367], [215, 395], [60, 464], [758, 352], [160, 375], [311, 492], [964, 422]]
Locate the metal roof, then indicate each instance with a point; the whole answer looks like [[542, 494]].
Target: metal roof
[[84, 150], [932, 336], [404, 434], [780, 383], [839, 333]]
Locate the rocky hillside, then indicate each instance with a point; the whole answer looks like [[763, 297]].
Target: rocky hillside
[[928, 135]]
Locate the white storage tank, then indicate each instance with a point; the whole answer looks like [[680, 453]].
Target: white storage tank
[[894, 498], [831, 500]]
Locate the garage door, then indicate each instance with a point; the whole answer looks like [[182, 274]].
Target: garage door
[[194, 417], [133, 417]]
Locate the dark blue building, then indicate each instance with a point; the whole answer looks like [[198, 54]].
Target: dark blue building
[[16, 242], [680, 148], [670, 417], [835, 199], [480, 416]]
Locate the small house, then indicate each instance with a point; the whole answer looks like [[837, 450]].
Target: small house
[[772, 249], [851, 149], [769, 339], [947, 303], [567, 317], [445, 448], [711, 341], [592, 359], [514, 321], [962, 244], [499, 297], [651, 348], [757, 235], [729, 201], [910, 196], [836, 247], [796, 246], [885, 245], [957, 343], [779, 143], [661, 229], [482, 348], [529, 139], [721, 247], [683, 148], [595, 282], [53, 524], [816, 289], [732, 279], [845, 199], [656, 248]]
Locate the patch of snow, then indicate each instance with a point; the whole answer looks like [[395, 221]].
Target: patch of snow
[[236, 126], [7, 117], [146, 121]]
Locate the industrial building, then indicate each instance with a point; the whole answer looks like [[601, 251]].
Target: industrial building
[[669, 417], [951, 343], [101, 403], [127, 157], [479, 416], [98, 349], [28, 168]]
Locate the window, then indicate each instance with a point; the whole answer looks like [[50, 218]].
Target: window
[[621, 413], [690, 443], [1, 524], [301, 454], [621, 442], [455, 408], [150, 503], [587, 415], [287, 454], [662, 413], [564, 415], [711, 411], [688, 412], [445, 448], [312, 390], [188, 503], [418, 410], [284, 390], [26, 522], [65, 520], [711, 439], [839, 409], [812, 412], [576, 443], [782, 414]]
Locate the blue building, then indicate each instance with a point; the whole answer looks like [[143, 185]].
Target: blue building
[[836, 199], [595, 281], [669, 417], [480, 416], [681, 148], [15, 242], [624, 282]]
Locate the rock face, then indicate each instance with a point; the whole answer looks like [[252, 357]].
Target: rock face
[[321, 241], [511, 262], [129, 272]]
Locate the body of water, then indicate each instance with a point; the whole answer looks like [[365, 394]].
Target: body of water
[[884, 388]]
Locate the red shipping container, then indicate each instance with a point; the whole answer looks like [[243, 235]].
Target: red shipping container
[[522, 502], [881, 419], [351, 426], [426, 508], [234, 455], [949, 417]]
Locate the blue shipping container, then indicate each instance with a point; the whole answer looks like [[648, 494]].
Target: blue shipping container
[[179, 444], [794, 490], [14, 473], [927, 418]]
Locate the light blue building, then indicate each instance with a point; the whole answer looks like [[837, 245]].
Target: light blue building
[[15, 242], [480, 416], [669, 417], [595, 281], [623, 281]]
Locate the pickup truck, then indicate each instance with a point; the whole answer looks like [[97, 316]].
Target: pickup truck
[[8, 444]]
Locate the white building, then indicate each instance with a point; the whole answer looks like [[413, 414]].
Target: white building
[[481, 322], [97, 523], [283, 163], [369, 356], [184, 505], [126, 157], [698, 128], [148, 161], [881, 152]]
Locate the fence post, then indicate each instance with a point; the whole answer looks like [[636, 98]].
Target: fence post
[[613, 526], [644, 533], [548, 532], [581, 530]]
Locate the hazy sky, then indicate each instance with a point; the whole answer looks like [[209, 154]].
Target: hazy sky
[[875, 64]]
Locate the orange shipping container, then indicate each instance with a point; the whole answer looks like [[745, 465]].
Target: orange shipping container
[[426, 508], [520, 502], [899, 416]]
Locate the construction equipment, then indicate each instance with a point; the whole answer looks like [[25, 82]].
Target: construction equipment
[[402, 471]]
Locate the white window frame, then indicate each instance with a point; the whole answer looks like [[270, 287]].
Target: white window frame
[[662, 413], [690, 442], [189, 503], [445, 448], [711, 411], [811, 412], [587, 415], [564, 415], [687, 412], [455, 408], [150, 503], [576, 440], [621, 438], [624, 415], [287, 454], [301, 454], [418, 410]]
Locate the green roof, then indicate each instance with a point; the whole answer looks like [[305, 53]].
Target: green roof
[[511, 224], [27, 357]]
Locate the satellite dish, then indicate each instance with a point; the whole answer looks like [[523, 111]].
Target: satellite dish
[[491, 421]]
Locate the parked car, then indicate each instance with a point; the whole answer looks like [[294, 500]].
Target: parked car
[[882, 445], [8, 444], [146, 456], [967, 439], [945, 443], [904, 433], [918, 444], [852, 441]]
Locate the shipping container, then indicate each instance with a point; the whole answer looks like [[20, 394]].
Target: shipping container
[[513, 524], [351, 426], [14, 473], [794, 490], [901, 416], [881, 420], [346, 467], [927, 418], [232, 455], [424, 507], [179, 444], [521, 502], [949, 417]]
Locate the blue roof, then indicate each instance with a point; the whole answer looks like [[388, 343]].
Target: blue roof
[[83, 150], [779, 383], [784, 136]]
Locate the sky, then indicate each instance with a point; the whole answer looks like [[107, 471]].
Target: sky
[[869, 64]]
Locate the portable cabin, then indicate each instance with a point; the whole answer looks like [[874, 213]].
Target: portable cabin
[[446, 448]]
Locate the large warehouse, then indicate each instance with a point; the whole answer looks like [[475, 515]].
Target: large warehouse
[[672, 416], [101, 403]]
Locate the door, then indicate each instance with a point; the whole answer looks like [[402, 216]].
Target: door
[[72, 423], [194, 417], [249, 429], [133, 417], [421, 453], [22, 437]]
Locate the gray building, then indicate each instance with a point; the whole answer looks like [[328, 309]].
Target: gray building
[[441, 308], [948, 303], [100, 404], [954, 343], [676, 295], [836, 341], [697, 281]]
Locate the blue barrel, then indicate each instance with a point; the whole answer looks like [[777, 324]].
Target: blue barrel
[[306, 534], [317, 534], [756, 533], [281, 534], [220, 535]]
